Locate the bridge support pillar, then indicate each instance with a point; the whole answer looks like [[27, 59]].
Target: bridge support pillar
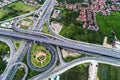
[[93, 70]]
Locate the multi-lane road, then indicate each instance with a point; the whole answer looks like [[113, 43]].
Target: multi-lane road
[[12, 49], [112, 55], [97, 50], [54, 58], [61, 69]]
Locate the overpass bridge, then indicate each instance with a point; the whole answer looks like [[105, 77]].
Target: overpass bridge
[[32, 35], [55, 41], [61, 69]]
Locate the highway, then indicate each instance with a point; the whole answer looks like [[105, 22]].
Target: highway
[[14, 59], [108, 55], [42, 12], [32, 32], [43, 68], [44, 17], [49, 47], [14, 64], [61, 69], [9, 42], [12, 49], [65, 39], [62, 62], [86, 48], [14, 69]]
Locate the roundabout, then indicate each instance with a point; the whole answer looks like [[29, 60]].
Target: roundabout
[[41, 57]]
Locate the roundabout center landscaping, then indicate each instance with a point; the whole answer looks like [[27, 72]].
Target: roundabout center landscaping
[[40, 56]]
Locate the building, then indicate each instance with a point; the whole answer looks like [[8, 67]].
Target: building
[[6, 25], [56, 13], [116, 44], [5, 2], [30, 2], [113, 7]]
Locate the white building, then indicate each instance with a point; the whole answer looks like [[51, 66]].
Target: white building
[[6, 25], [56, 13], [5, 2], [117, 44]]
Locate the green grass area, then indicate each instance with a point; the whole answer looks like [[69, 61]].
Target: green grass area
[[73, 29], [24, 27], [107, 72], [15, 9], [3, 49], [3, 13], [70, 58], [109, 23], [17, 43], [20, 6], [36, 48], [77, 73], [45, 30], [19, 74], [27, 23]]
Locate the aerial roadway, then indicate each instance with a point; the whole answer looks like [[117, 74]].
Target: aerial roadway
[[19, 55], [106, 55], [92, 50], [62, 68]]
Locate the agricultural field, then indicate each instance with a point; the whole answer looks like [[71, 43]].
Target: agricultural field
[[77, 73], [107, 72], [109, 23]]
